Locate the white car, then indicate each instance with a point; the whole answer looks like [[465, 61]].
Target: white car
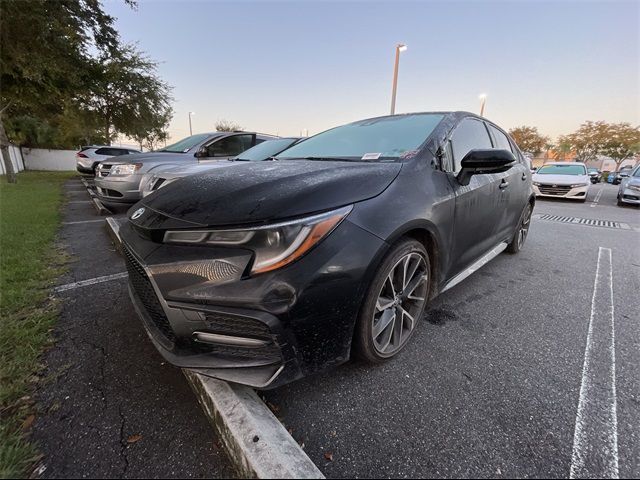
[[562, 180], [90, 156]]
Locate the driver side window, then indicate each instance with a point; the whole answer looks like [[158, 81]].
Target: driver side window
[[230, 146], [470, 134]]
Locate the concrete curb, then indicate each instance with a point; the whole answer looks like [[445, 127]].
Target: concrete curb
[[255, 441], [102, 210]]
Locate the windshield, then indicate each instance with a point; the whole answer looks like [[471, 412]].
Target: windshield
[[386, 138], [636, 172], [266, 150], [186, 144], [593, 170], [562, 170]]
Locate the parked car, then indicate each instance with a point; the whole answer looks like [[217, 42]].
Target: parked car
[[562, 180], [595, 175], [118, 181], [621, 174], [91, 155], [629, 191], [269, 271], [162, 177]]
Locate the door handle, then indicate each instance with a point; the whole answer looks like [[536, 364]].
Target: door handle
[[524, 176], [504, 184]]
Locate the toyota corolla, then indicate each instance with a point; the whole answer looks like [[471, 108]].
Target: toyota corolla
[[270, 271]]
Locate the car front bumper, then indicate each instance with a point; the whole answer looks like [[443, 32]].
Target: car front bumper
[[118, 189], [561, 191], [262, 331], [630, 196]]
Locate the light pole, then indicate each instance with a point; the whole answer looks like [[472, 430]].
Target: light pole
[[401, 47], [190, 131], [483, 100]]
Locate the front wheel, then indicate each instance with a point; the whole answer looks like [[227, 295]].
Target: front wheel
[[394, 304], [520, 235]]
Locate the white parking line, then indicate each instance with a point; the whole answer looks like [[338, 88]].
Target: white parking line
[[597, 199], [595, 440], [91, 281], [84, 221]]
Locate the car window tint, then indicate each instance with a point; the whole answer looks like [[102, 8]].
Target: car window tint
[[502, 142], [111, 152], [469, 135], [230, 146]]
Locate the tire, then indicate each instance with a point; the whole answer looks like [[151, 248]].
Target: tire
[[401, 314], [520, 235], [620, 202]]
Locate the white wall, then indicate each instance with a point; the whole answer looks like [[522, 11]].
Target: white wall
[[44, 159], [16, 160]]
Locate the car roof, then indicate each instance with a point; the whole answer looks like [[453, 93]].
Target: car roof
[[565, 163]]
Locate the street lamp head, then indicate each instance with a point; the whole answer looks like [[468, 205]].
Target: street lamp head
[[482, 96], [192, 113], [402, 47]]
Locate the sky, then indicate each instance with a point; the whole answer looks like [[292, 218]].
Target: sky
[[290, 67]]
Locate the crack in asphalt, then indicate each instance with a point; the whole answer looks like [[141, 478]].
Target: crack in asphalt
[[123, 442]]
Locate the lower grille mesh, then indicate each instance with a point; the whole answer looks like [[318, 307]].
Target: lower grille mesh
[[142, 286]]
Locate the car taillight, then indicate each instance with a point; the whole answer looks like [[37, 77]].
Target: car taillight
[[81, 155]]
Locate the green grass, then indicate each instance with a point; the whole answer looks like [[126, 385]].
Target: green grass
[[29, 264]]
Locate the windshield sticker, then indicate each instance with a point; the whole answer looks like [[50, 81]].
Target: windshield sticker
[[371, 156], [409, 154]]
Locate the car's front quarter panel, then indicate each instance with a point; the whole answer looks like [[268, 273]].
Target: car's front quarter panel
[[421, 199]]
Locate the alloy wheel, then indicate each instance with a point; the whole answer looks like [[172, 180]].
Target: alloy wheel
[[523, 231], [400, 301]]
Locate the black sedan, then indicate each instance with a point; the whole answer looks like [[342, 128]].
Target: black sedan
[[270, 271]]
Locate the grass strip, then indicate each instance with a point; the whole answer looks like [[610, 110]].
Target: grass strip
[[30, 216]]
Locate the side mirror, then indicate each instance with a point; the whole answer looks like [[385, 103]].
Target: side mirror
[[201, 153], [478, 162]]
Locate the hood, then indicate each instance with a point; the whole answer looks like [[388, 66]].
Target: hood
[[148, 157], [185, 171], [261, 192], [560, 179]]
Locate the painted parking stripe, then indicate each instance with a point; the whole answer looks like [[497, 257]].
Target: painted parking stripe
[[91, 281], [597, 199], [595, 440], [83, 221]]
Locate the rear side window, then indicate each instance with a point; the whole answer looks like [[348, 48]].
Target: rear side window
[[502, 142], [470, 134], [111, 152]]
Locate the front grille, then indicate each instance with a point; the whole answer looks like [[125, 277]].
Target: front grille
[[238, 326], [554, 189], [107, 192], [104, 169], [143, 287]]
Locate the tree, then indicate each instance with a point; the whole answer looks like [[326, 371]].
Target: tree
[[562, 149], [588, 140], [622, 142], [126, 93], [44, 50], [152, 129], [529, 140], [227, 126]]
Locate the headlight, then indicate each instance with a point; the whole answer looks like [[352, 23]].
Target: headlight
[[537, 184], [125, 169], [275, 245], [579, 185]]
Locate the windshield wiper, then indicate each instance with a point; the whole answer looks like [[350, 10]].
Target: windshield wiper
[[330, 159]]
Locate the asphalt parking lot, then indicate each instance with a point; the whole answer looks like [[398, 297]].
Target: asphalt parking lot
[[490, 386]]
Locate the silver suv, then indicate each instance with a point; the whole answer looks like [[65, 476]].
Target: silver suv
[[118, 181]]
